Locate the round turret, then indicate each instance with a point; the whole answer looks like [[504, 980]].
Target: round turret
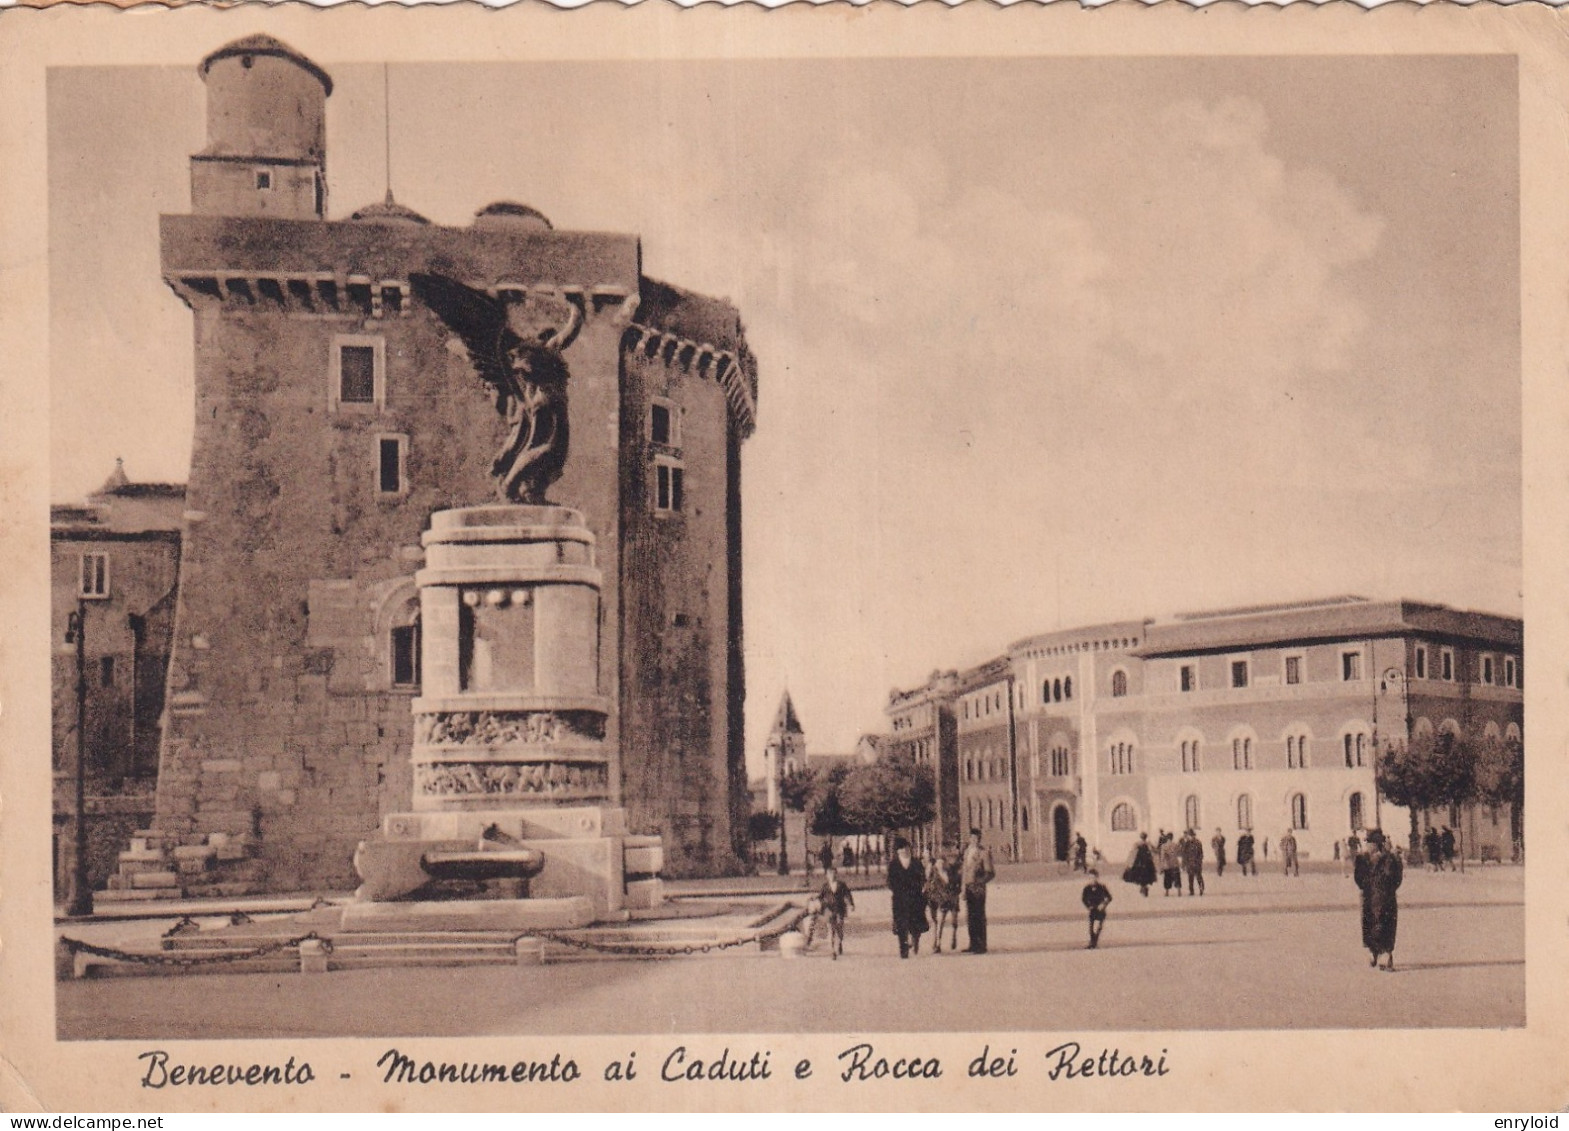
[[266, 132]]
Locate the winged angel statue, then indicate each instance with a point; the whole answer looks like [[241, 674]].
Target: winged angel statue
[[528, 380]]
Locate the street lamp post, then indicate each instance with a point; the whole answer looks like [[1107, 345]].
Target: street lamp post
[[1389, 676], [81, 886]]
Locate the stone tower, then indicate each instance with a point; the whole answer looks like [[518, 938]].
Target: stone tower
[[266, 152], [785, 751], [335, 413]]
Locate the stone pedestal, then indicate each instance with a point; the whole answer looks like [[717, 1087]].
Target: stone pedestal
[[510, 732]]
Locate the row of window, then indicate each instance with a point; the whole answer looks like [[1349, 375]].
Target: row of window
[[991, 813], [1501, 671], [982, 706], [1120, 755], [1124, 818]]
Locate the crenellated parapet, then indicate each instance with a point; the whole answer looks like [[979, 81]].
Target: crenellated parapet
[[707, 361]]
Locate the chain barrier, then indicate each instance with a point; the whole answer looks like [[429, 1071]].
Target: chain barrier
[[639, 950], [666, 950], [79, 946]]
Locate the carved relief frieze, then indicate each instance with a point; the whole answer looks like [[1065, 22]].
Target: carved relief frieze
[[511, 779], [507, 728]]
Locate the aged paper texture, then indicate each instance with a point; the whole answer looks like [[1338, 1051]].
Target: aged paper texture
[[1029, 319]]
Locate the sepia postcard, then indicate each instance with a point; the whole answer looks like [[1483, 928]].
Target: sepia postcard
[[832, 558]]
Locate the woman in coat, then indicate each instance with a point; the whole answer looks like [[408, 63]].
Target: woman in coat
[[907, 881], [1378, 873], [1141, 865]]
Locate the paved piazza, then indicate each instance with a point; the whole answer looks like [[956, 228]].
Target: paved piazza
[[1256, 952]]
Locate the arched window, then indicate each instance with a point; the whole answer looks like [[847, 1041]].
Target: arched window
[[1056, 690], [1123, 819], [1356, 749], [1119, 683], [1299, 811], [1046, 691], [1024, 818], [1059, 761], [1190, 756], [1245, 811], [1122, 758], [1190, 812], [1242, 753], [1296, 751], [1355, 811], [1067, 687]]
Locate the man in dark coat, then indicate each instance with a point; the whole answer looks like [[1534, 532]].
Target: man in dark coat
[[1218, 843], [907, 881], [1245, 844], [1446, 846], [1378, 873], [1141, 865], [1433, 849], [1191, 849]]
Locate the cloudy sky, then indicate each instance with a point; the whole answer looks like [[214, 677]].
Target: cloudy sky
[[1042, 341]]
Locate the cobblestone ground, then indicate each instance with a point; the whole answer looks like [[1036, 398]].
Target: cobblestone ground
[[1255, 952]]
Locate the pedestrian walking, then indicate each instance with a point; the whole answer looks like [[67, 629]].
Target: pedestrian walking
[[1378, 874], [907, 881], [1288, 853], [835, 902], [847, 857], [1245, 853], [1141, 866], [825, 856], [1081, 852], [976, 870], [1096, 897], [1170, 864], [1446, 847], [1191, 849], [1434, 849], [942, 896], [1218, 844]]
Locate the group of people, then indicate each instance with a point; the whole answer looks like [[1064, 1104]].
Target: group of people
[[927, 895]]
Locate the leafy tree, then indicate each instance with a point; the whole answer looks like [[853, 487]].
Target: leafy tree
[[890, 793], [828, 817], [762, 825], [1432, 771], [1500, 779]]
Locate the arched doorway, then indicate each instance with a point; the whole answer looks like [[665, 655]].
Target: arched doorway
[[1061, 832]]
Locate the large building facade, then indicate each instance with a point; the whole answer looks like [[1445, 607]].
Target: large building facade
[[115, 563], [335, 413], [1263, 718]]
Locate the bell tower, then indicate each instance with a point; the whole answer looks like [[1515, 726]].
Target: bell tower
[[266, 152]]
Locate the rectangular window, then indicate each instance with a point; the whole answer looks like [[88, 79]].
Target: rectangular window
[[405, 656], [1351, 666], [94, 581], [391, 478], [668, 486], [1446, 660], [1487, 669], [1293, 669], [1509, 671], [1421, 663], [1239, 673], [358, 370], [664, 424], [264, 178], [1187, 677]]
